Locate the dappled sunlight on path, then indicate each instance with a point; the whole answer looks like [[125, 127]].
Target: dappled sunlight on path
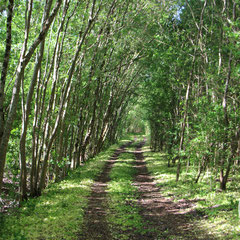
[[95, 225], [168, 219]]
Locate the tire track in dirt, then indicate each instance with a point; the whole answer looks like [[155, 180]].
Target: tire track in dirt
[[94, 224], [165, 219]]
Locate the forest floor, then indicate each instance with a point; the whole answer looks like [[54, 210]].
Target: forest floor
[[125, 193]]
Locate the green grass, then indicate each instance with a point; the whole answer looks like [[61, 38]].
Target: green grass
[[123, 213], [58, 213], [220, 209]]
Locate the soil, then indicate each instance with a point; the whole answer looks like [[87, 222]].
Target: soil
[[164, 218], [167, 219]]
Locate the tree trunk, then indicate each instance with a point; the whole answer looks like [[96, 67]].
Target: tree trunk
[[5, 64], [224, 177], [64, 99], [27, 111], [2, 85]]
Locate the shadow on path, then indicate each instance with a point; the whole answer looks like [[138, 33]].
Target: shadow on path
[[167, 219]]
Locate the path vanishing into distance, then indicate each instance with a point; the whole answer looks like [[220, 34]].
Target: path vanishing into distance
[[119, 120], [157, 217]]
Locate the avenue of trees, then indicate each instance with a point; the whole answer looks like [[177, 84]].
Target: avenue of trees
[[71, 71], [68, 74]]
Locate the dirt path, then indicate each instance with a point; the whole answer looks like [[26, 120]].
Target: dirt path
[[163, 218], [167, 219], [95, 225]]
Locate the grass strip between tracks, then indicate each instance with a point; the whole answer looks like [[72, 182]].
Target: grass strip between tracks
[[123, 213]]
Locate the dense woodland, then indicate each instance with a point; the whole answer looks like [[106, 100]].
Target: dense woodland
[[78, 75]]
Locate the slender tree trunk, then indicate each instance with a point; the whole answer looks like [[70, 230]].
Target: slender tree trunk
[[183, 129], [3, 81], [27, 111], [13, 105], [224, 177], [65, 98], [5, 64], [60, 153], [198, 42]]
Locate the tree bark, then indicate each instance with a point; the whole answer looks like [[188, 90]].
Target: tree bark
[[27, 111], [5, 64]]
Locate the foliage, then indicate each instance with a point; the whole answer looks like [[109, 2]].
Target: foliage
[[190, 83]]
